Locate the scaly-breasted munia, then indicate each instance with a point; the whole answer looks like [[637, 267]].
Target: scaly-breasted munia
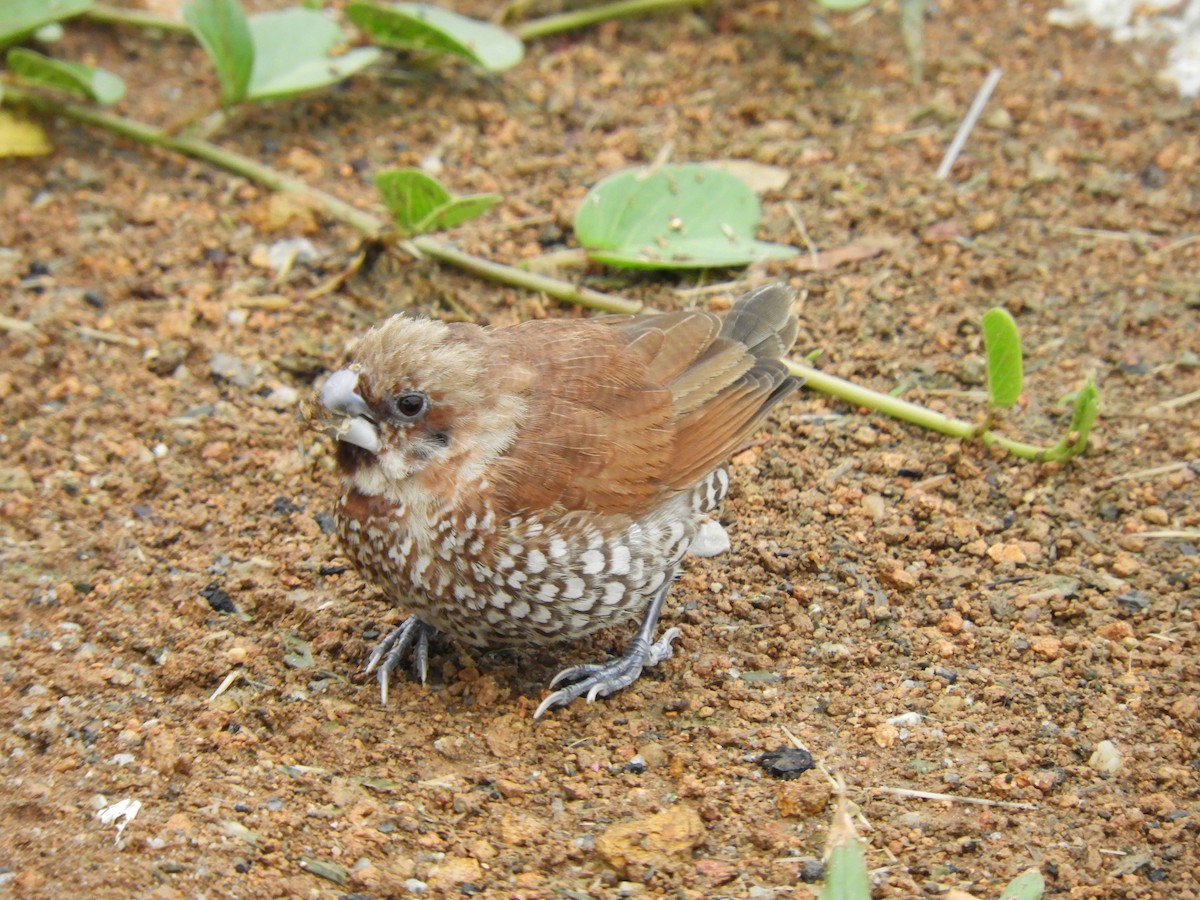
[[530, 484]]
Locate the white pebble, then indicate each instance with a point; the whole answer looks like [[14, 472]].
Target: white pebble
[[1106, 758], [283, 397]]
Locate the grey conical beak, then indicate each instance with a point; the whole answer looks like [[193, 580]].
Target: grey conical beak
[[340, 395]]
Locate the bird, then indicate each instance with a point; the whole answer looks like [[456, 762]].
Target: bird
[[527, 485]]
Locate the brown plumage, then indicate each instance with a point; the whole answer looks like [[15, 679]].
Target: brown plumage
[[534, 483]]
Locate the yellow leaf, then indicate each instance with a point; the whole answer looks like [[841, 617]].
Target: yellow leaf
[[19, 137]]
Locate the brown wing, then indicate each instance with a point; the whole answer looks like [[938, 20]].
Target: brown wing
[[622, 414]]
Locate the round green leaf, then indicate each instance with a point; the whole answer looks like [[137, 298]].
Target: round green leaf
[[1003, 346], [84, 81], [291, 54], [1029, 885], [419, 26], [221, 29], [673, 217], [21, 18]]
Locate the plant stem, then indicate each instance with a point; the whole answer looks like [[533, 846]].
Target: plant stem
[[554, 287], [911, 412], [199, 149], [592, 15]]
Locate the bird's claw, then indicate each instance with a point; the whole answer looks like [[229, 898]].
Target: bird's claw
[[601, 679], [412, 635]]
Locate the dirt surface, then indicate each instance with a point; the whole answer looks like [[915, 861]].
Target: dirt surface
[[918, 613]]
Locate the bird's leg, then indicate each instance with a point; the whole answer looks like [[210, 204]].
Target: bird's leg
[[601, 679], [413, 634]]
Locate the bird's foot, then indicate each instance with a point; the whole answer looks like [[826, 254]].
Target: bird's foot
[[601, 679], [413, 635]]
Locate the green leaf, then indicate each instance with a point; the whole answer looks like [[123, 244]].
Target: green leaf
[[1003, 346], [1087, 406], [457, 211], [1029, 885], [84, 81], [381, 783], [846, 875], [842, 5], [420, 204], [220, 27], [1083, 417], [673, 217], [21, 18], [419, 26], [297, 652], [291, 50], [411, 196]]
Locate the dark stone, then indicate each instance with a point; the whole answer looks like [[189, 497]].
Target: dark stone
[[218, 600], [786, 762]]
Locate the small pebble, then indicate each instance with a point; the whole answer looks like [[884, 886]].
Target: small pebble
[[1156, 515], [653, 755], [786, 762], [218, 600], [286, 253], [283, 397], [1133, 601], [812, 871], [1106, 758], [229, 368]]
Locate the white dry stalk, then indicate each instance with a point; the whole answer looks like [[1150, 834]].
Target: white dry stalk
[[933, 795], [226, 684], [968, 123], [1182, 400], [1139, 474], [794, 214]]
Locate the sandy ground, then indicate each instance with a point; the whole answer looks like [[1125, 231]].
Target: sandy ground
[[920, 614]]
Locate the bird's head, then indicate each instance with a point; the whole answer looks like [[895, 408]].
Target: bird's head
[[417, 402]]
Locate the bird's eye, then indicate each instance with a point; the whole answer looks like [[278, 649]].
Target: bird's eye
[[410, 404]]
